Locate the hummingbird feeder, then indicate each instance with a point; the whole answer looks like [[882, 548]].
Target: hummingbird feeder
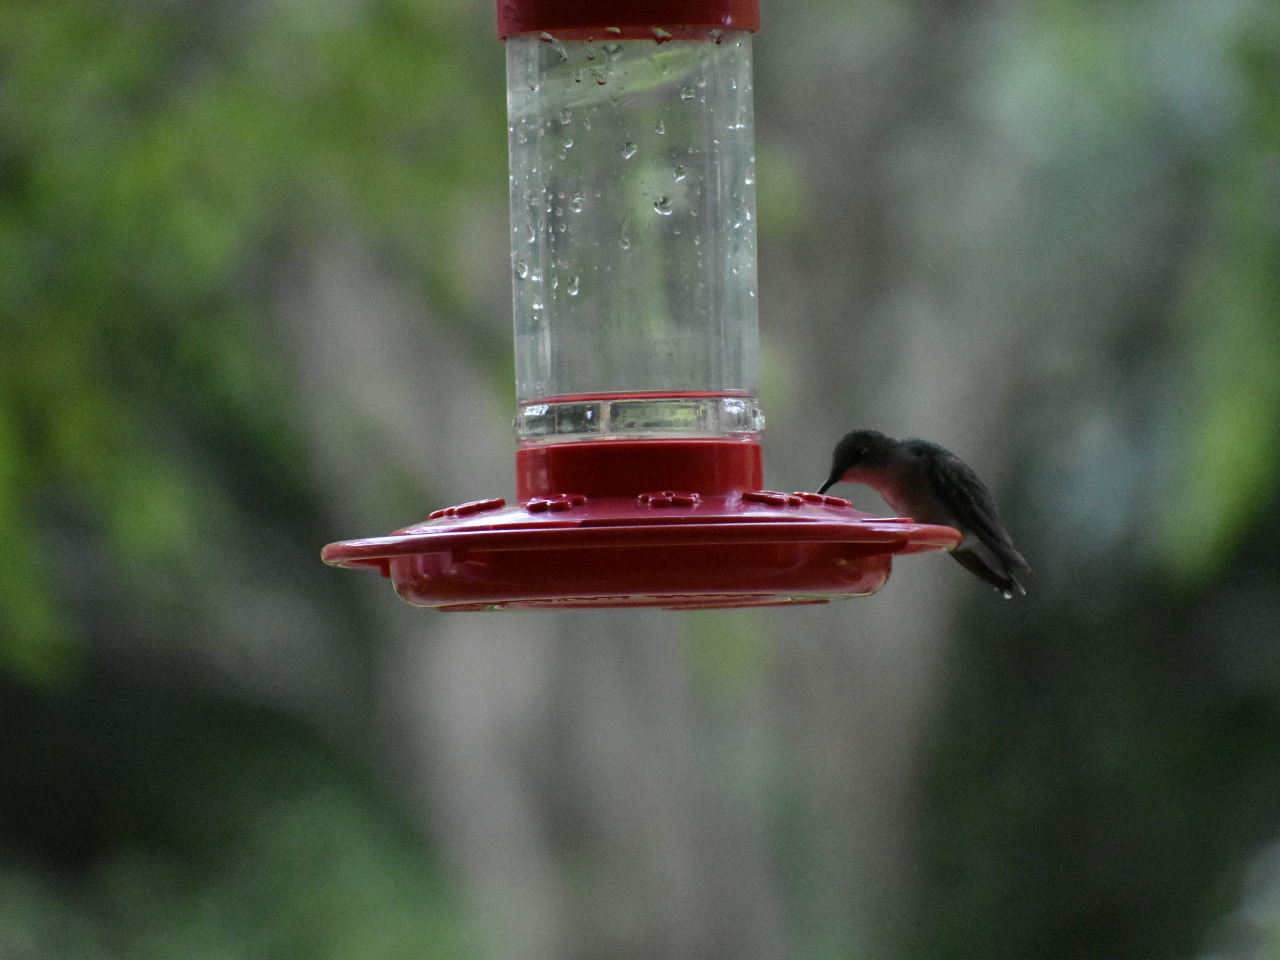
[[633, 248]]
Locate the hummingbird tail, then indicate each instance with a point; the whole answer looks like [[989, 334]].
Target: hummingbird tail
[[998, 574]]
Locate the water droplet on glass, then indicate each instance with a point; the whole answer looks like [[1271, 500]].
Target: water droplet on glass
[[566, 115], [613, 49], [530, 234], [680, 172], [591, 53], [663, 206], [568, 143], [629, 150], [556, 45], [687, 93], [660, 129], [661, 34], [625, 242], [522, 269], [572, 286], [576, 203]]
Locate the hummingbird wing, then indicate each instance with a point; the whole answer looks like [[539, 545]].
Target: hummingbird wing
[[993, 558]]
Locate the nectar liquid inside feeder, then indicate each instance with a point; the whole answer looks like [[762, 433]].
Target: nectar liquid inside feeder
[[633, 243]]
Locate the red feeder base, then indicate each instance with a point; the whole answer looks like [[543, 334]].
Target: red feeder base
[[708, 537]]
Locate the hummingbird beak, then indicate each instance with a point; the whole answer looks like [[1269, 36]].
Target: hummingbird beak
[[831, 481]]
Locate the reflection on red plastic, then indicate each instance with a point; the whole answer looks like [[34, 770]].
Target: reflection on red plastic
[[772, 497]]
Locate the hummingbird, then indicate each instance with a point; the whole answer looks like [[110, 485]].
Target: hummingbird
[[931, 484]]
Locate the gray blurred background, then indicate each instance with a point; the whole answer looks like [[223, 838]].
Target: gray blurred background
[[255, 297]]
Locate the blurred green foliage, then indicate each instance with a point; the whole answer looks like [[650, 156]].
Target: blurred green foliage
[[158, 161], [1231, 315], [160, 165]]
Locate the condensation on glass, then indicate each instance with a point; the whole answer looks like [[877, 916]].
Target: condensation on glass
[[633, 237]]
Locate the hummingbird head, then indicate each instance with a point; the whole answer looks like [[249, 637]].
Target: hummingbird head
[[862, 449]]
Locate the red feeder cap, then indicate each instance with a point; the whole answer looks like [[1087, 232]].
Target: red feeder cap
[[626, 19]]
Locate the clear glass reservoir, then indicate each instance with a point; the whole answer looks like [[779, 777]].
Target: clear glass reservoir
[[633, 236]]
